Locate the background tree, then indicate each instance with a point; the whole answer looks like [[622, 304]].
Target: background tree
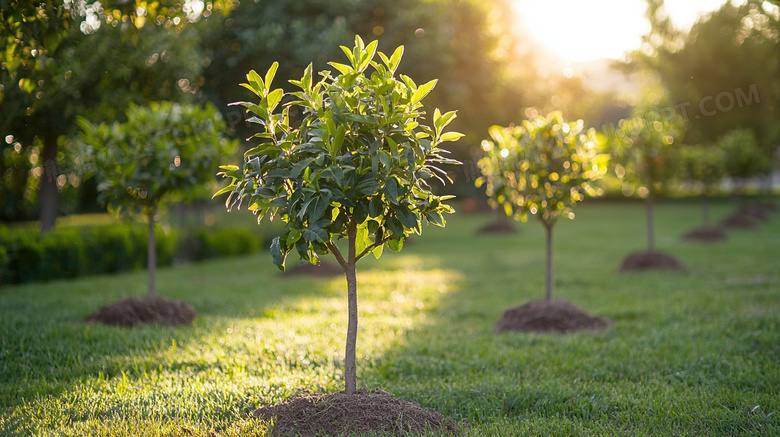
[[543, 168], [466, 44], [643, 153], [52, 55], [703, 167], [161, 151], [745, 159], [356, 168]]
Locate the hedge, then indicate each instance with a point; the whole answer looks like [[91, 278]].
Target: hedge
[[26, 255]]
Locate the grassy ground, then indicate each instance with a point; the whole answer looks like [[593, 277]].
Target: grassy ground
[[695, 353]]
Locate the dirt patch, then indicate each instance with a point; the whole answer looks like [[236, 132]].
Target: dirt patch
[[739, 220], [132, 311], [757, 211], [324, 270], [642, 261], [554, 316], [498, 227], [706, 234], [362, 413]]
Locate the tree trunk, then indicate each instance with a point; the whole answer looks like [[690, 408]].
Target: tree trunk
[[650, 225], [350, 360], [548, 277], [151, 264], [48, 193], [705, 210]]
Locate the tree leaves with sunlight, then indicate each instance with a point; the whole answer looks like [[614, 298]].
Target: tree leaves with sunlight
[[356, 167], [543, 168], [644, 151]]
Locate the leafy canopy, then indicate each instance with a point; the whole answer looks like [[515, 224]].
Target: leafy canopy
[[644, 151], [702, 165], [543, 167], [162, 149], [357, 154], [744, 157]]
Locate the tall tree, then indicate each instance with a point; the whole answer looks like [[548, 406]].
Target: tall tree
[[43, 86], [161, 151], [356, 168], [543, 169], [643, 152], [724, 73]]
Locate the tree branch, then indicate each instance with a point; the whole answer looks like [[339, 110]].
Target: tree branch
[[371, 247], [337, 253]]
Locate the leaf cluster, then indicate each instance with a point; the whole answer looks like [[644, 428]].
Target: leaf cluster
[[347, 150], [644, 150], [543, 167], [703, 165], [744, 156], [162, 149]]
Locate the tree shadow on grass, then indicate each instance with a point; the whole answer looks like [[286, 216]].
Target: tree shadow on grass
[[46, 347]]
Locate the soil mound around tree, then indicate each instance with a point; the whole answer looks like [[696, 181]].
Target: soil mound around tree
[[372, 413], [643, 261], [132, 311], [706, 234], [497, 227], [324, 270], [757, 211], [739, 220], [554, 316]]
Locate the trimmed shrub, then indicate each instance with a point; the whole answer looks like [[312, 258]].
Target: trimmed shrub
[[28, 256], [212, 243]]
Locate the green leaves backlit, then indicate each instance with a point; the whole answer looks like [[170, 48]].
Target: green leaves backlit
[[543, 167], [359, 155]]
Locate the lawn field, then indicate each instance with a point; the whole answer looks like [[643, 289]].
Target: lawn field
[[693, 353]]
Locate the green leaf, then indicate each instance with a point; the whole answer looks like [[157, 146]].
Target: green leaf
[[293, 236], [269, 77], [276, 253], [396, 244], [391, 190], [375, 207], [423, 91], [406, 216], [274, 97], [224, 190], [343, 69], [256, 83], [338, 140], [451, 136], [378, 251]]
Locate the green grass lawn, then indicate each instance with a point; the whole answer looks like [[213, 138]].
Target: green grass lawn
[[694, 353]]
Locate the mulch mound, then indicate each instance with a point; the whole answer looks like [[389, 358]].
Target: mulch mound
[[756, 210], [324, 270], [706, 234], [642, 261], [497, 227], [554, 316], [739, 220], [362, 413], [132, 311]]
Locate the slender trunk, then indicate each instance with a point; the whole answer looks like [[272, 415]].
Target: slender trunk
[[705, 210], [548, 270], [48, 193], [650, 225], [151, 264], [350, 360]]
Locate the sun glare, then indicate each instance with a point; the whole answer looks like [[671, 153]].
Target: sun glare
[[577, 31]]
